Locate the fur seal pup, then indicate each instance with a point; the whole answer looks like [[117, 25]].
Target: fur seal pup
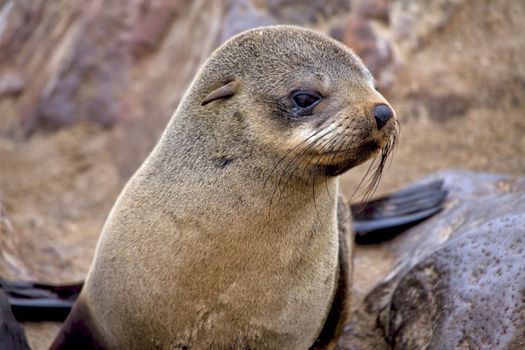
[[231, 234]]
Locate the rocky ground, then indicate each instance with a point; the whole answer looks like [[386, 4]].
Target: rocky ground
[[87, 87]]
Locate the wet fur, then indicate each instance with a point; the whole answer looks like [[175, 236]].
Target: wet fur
[[228, 236]]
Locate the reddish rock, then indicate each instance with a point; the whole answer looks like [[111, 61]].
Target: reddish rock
[[440, 107], [85, 72], [11, 84], [374, 49], [306, 11], [152, 22], [414, 22], [11, 264], [378, 9], [243, 15], [80, 57]]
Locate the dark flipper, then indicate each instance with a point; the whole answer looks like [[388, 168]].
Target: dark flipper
[[384, 218], [12, 335], [40, 302], [79, 331], [339, 312]]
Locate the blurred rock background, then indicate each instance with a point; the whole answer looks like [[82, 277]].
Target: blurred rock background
[[86, 88]]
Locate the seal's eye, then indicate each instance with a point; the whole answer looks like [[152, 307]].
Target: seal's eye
[[306, 99]]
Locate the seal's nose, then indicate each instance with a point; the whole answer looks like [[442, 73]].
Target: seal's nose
[[383, 114]]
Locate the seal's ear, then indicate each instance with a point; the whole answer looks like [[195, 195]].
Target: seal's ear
[[224, 91]]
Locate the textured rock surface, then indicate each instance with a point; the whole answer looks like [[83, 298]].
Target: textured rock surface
[[243, 15], [11, 263], [379, 9], [415, 22], [305, 11], [371, 44], [459, 278]]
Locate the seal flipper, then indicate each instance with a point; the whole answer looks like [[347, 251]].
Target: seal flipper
[[40, 302], [340, 309], [79, 331], [12, 335], [385, 217]]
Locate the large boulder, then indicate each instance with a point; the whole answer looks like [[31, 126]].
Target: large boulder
[[459, 281]]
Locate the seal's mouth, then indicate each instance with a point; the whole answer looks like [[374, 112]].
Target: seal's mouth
[[337, 162], [367, 148], [329, 152], [375, 170]]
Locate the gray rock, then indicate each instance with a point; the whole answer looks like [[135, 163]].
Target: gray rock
[[378, 9], [414, 21], [374, 48], [243, 15], [307, 11], [439, 107], [11, 84], [460, 278], [11, 263]]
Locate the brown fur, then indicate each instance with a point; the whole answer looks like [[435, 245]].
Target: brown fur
[[227, 237]]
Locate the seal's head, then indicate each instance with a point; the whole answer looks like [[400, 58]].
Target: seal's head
[[301, 95]]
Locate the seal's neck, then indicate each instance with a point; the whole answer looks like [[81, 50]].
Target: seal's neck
[[217, 173]]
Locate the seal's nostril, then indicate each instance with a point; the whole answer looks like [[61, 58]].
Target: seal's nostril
[[383, 114]]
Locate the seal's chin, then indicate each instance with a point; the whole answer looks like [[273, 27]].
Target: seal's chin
[[349, 159]]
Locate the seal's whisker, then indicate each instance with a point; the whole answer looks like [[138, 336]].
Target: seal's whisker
[[287, 157], [331, 157], [317, 161], [324, 141], [332, 151], [296, 162], [330, 140], [341, 147], [374, 180], [284, 110], [326, 144], [296, 159], [362, 180]]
